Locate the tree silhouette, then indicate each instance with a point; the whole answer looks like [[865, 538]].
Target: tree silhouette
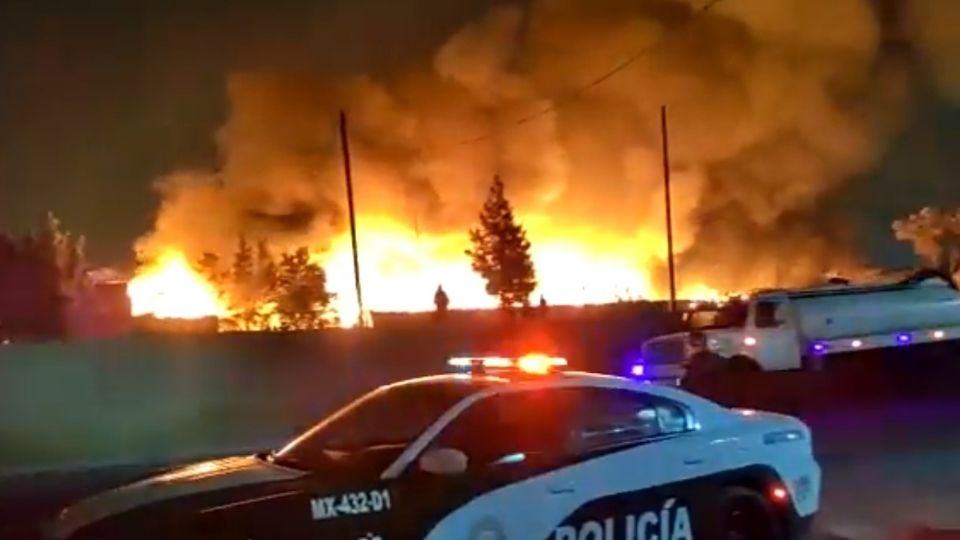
[[501, 251], [38, 275], [266, 296], [303, 302], [8, 299], [244, 294], [68, 251], [266, 270], [209, 267], [242, 268], [935, 235]]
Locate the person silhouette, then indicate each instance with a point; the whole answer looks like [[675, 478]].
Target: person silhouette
[[441, 301]]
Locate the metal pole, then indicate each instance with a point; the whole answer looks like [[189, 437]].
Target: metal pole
[[666, 191], [353, 223]]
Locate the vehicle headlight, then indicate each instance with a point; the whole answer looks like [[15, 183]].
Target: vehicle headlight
[[785, 436]]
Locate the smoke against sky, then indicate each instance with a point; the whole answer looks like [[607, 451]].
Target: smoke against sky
[[934, 24], [772, 106], [100, 98]]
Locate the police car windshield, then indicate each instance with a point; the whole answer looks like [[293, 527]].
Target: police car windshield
[[385, 417], [732, 314]]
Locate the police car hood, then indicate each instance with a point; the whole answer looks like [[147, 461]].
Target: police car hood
[[770, 419], [193, 479]]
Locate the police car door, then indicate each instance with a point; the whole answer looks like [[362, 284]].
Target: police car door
[[510, 439], [633, 474], [348, 494]]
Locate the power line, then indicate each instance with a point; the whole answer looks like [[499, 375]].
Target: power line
[[558, 102]]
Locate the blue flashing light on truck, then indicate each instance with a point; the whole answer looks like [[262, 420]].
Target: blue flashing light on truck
[[786, 329]]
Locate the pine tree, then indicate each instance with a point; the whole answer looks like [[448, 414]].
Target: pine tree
[[266, 270], [40, 283], [242, 269], [243, 289], [501, 251], [255, 290], [209, 266], [68, 251]]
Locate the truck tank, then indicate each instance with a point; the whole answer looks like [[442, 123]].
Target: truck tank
[[840, 312]]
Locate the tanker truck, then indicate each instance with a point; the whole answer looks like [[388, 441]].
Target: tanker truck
[[787, 329]]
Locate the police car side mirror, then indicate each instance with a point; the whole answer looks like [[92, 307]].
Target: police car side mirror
[[445, 461]]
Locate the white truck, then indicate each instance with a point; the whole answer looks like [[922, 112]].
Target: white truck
[[784, 329]]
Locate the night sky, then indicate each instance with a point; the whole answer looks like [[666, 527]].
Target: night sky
[[97, 99]]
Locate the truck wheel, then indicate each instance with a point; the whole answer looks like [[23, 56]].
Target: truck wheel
[[747, 515], [743, 364]]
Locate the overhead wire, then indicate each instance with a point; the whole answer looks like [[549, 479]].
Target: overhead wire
[[558, 102]]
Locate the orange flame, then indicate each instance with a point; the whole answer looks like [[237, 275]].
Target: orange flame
[[170, 288], [702, 293], [401, 269]]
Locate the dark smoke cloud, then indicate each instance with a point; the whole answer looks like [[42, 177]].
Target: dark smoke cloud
[[934, 25], [773, 105]]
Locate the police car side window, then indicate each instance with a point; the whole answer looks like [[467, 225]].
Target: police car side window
[[390, 417], [612, 416], [503, 426]]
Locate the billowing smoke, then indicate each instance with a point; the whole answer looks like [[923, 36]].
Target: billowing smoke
[[772, 105], [934, 24]]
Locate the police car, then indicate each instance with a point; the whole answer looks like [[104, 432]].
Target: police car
[[504, 450]]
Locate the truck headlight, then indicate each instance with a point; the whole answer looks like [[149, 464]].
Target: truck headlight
[[785, 436]]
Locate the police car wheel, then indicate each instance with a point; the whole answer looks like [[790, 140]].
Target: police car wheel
[[746, 515]]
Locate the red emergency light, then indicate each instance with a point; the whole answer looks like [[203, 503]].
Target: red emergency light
[[540, 364]]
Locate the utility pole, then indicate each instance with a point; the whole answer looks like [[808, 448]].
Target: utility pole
[[666, 192], [353, 222]]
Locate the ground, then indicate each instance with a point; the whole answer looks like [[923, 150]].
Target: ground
[[889, 469]]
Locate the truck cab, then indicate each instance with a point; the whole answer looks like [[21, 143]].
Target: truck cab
[[761, 330], [736, 328]]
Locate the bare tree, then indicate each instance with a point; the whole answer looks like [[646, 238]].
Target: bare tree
[[935, 235]]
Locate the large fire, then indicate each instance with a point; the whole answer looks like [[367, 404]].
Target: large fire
[[169, 288], [401, 269], [798, 105]]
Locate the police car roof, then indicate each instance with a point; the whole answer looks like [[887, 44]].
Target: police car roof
[[558, 379], [495, 377], [468, 384]]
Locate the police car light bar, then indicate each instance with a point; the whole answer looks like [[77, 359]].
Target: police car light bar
[[539, 363], [485, 361], [531, 363]]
